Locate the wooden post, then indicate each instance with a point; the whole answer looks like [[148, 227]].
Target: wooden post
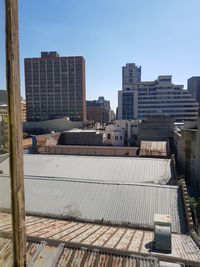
[[15, 132]]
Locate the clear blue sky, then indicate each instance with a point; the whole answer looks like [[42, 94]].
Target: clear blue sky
[[163, 36]]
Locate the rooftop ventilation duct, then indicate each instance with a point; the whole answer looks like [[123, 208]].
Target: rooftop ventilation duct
[[162, 232]]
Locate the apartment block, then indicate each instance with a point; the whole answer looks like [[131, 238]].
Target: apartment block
[[139, 99], [55, 87]]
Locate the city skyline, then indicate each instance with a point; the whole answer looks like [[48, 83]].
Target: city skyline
[[108, 35]]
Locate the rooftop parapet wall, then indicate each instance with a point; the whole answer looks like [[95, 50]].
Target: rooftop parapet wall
[[90, 150], [188, 213]]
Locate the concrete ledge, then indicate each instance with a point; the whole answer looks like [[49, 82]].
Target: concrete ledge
[[188, 213], [89, 150]]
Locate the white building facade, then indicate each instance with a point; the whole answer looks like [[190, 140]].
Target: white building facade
[[122, 133], [160, 97]]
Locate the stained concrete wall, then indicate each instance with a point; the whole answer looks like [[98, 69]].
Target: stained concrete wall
[[90, 150], [158, 128], [188, 156], [81, 138]]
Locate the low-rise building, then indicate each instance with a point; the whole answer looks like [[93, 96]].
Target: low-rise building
[[187, 143], [122, 133], [81, 137], [156, 128]]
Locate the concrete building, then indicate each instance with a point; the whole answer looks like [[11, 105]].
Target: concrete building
[[23, 110], [122, 133], [99, 110], [140, 99], [3, 97], [55, 87], [187, 143], [81, 137], [114, 136], [156, 128], [193, 85], [3, 129], [131, 75]]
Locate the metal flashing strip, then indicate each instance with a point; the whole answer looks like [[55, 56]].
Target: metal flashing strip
[[36, 254], [57, 255]]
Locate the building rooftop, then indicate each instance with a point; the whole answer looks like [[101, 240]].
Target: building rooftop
[[99, 168], [99, 242], [132, 205], [43, 254]]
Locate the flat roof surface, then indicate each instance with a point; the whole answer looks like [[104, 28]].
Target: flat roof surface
[[100, 168], [102, 236], [104, 202]]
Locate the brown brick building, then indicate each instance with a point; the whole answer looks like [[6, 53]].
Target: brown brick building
[[55, 87], [99, 110]]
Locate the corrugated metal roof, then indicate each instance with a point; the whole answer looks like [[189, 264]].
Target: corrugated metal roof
[[153, 148], [4, 157], [103, 237], [133, 204], [40, 255], [123, 169]]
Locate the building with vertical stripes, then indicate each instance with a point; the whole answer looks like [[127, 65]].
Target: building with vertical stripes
[[55, 87]]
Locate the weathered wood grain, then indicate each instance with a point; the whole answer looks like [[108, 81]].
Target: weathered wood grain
[[15, 132]]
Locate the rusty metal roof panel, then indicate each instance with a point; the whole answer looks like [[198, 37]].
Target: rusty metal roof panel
[[108, 203], [86, 258], [153, 148], [42, 254], [6, 252], [119, 238], [113, 169]]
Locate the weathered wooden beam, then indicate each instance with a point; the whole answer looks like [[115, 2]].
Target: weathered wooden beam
[[15, 132]]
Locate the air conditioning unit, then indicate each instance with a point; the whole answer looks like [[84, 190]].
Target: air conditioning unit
[[162, 232]]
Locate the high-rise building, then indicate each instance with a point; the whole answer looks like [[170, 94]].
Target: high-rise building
[[23, 110], [3, 97], [55, 87], [139, 99], [193, 86], [131, 75], [99, 110]]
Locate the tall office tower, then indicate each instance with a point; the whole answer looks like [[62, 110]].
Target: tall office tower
[[159, 97], [131, 75], [55, 87], [193, 86]]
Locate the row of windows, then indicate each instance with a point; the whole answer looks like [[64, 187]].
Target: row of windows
[[170, 106], [167, 111], [167, 102], [168, 97]]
